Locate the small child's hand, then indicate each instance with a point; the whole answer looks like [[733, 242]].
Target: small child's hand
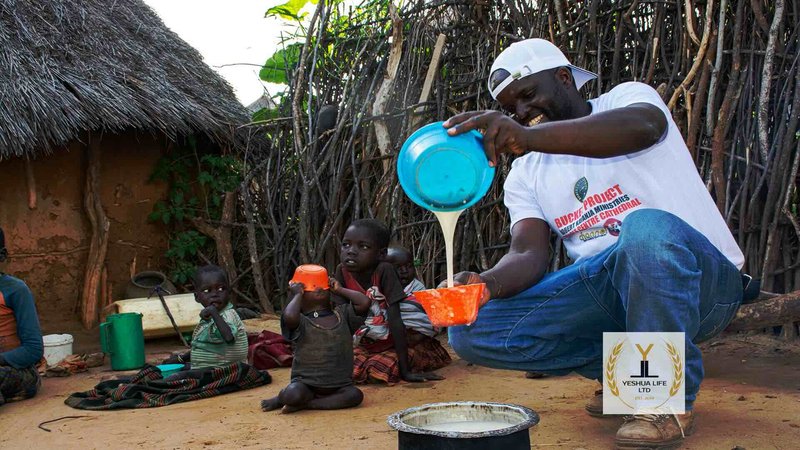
[[296, 288], [335, 285], [207, 312]]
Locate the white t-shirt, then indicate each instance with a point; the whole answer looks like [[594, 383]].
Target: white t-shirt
[[585, 200]]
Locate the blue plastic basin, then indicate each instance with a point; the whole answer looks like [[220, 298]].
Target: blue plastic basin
[[440, 172]]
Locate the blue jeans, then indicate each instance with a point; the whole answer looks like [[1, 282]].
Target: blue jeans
[[661, 275]]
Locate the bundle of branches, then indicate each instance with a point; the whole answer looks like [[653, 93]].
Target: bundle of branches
[[369, 76]]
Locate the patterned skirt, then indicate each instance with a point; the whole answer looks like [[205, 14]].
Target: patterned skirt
[[424, 353], [18, 384]]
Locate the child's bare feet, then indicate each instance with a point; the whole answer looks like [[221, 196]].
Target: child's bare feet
[[432, 376], [290, 409], [271, 404]]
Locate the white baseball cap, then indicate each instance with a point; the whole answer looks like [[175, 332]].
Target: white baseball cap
[[532, 56]]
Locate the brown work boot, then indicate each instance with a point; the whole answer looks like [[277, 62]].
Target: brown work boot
[[595, 406], [651, 431]]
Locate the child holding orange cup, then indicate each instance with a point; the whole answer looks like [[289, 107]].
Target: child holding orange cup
[[321, 336]]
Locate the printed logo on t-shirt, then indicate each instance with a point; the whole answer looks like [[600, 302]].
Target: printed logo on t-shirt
[[593, 234], [613, 226], [581, 188], [597, 209]]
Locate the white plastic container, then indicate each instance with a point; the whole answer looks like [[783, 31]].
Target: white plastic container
[[57, 347]]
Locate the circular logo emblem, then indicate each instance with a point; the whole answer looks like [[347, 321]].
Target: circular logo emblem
[[613, 226], [581, 188]]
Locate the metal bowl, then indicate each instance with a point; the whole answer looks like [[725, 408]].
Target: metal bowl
[[413, 432]]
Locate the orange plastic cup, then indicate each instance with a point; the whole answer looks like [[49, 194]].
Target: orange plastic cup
[[457, 305], [312, 276]]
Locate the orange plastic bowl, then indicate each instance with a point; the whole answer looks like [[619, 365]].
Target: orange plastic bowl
[[457, 305], [312, 276]]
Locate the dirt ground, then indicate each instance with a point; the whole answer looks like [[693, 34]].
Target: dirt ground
[[750, 399]]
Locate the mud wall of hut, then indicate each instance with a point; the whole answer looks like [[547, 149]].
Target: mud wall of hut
[[48, 245]]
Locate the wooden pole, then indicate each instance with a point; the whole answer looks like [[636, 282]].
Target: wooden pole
[[160, 293], [775, 311], [252, 246], [222, 234], [385, 90], [426, 87], [95, 262]]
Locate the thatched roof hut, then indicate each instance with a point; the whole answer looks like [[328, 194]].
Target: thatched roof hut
[[92, 94], [67, 66]]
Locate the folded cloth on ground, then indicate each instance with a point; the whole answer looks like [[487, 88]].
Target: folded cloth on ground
[[67, 366], [147, 389], [268, 350], [72, 364]]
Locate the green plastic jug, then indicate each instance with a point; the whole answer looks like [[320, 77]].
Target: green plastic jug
[[122, 338]]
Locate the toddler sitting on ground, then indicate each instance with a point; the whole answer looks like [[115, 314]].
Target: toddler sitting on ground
[[322, 370], [220, 338]]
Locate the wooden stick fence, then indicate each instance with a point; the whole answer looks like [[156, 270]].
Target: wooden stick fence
[[727, 68]]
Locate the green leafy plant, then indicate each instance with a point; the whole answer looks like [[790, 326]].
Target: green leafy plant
[[290, 10], [284, 60], [182, 252], [197, 186]]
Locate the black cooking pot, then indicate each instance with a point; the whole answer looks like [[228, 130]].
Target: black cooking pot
[[464, 425]]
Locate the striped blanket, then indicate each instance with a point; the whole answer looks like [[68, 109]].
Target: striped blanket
[[425, 354], [147, 389]]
